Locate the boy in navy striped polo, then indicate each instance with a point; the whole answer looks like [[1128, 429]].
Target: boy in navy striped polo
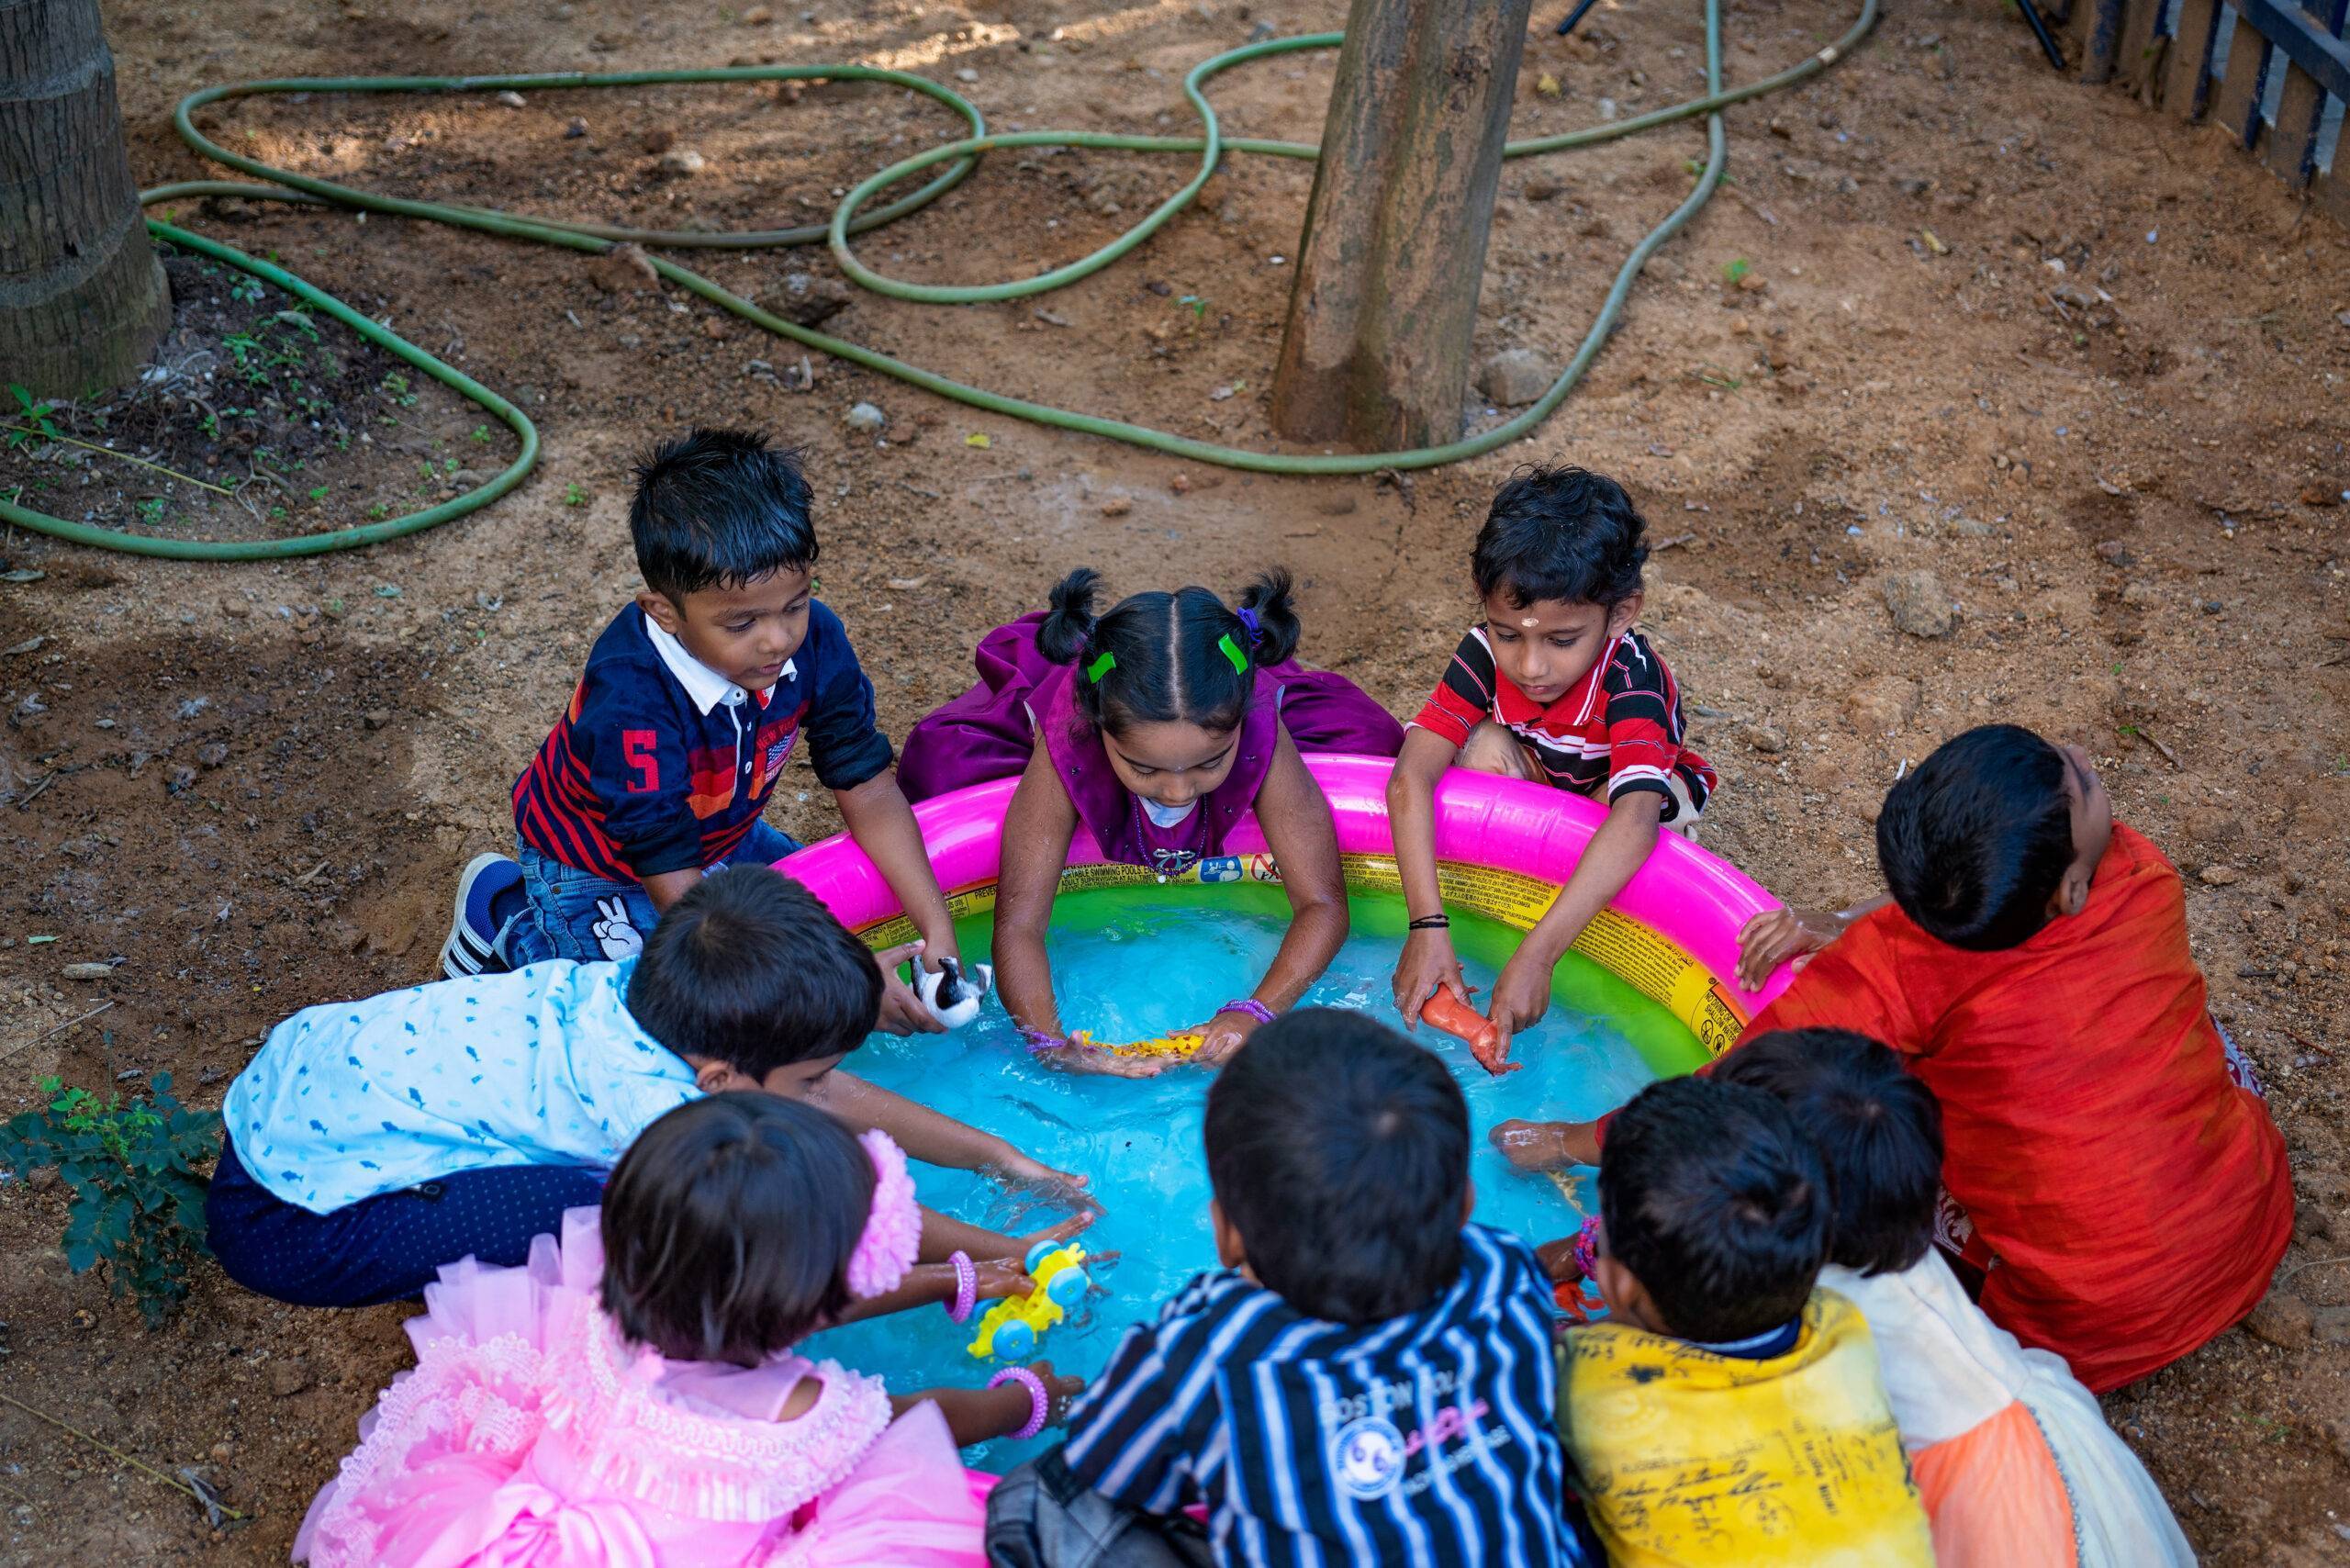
[[677, 733], [1368, 1379]]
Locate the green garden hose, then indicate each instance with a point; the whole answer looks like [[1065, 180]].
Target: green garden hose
[[961, 157]]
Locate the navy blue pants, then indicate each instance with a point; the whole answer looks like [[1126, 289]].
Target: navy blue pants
[[386, 1247]]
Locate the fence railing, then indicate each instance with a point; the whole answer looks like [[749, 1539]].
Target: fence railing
[[2274, 76]]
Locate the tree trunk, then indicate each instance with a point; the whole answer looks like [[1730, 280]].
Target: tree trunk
[[1383, 314], [82, 301]]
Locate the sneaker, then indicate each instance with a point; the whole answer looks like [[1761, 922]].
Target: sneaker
[[472, 946]]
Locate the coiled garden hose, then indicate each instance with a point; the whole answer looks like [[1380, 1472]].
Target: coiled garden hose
[[848, 219]]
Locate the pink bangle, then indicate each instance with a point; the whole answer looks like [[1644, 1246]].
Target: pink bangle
[[1587, 1247], [966, 1287], [1038, 1401], [1251, 1006]]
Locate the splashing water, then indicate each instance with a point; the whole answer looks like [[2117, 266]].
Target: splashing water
[[1129, 965]]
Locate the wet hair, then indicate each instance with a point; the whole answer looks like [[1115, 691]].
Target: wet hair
[[750, 969], [1974, 841], [1166, 653], [728, 1227], [1878, 1130], [1561, 534], [716, 509], [1717, 1203], [1339, 1151]]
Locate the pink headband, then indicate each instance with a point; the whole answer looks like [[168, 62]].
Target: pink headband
[[892, 1229]]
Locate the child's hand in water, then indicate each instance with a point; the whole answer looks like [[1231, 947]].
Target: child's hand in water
[[1776, 935], [1069, 1230], [1220, 1036], [1000, 1277], [1014, 1169], [901, 1011], [1059, 1390], [1076, 1054], [1521, 996], [1547, 1146], [1427, 961]]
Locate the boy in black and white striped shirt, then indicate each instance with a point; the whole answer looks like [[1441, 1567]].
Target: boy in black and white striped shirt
[[1368, 1379]]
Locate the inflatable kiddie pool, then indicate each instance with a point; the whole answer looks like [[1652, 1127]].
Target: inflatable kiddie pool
[[1648, 992], [1503, 849]]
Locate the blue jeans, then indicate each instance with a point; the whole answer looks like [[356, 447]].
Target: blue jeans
[[578, 915]]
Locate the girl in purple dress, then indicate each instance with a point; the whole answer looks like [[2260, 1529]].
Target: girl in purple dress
[[1164, 721]]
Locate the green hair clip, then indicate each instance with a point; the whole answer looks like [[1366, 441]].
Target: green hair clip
[[1105, 665], [1232, 651]]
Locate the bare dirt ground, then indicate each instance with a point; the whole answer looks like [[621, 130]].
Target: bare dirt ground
[[2123, 473]]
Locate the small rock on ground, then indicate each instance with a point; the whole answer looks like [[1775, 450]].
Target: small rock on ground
[[1919, 604], [864, 417], [2283, 1321], [809, 300], [1513, 378], [622, 268], [1881, 704]]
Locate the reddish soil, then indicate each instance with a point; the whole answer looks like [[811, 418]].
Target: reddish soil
[[2130, 494]]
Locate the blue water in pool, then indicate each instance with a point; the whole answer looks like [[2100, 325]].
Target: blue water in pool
[[1131, 966]]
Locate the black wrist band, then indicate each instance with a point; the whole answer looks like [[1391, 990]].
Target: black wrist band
[[1431, 923]]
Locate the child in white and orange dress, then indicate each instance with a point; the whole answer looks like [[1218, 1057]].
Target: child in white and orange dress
[[630, 1395], [2011, 1455]]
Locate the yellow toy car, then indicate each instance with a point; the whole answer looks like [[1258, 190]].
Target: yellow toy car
[[1012, 1328]]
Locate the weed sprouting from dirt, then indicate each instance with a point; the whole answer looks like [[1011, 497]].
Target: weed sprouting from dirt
[[138, 1204]]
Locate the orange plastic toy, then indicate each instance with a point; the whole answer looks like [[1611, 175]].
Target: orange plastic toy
[[1483, 1039]]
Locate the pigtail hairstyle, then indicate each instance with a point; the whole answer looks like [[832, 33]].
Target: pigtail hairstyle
[[729, 1225], [1158, 657]]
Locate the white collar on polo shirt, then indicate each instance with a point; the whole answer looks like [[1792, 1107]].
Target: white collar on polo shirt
[[703, 683]]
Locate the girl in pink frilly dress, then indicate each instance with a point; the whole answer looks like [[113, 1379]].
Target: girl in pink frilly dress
[[630, 1398]]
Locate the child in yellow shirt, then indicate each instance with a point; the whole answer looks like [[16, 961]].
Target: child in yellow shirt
[[1727, 1412]]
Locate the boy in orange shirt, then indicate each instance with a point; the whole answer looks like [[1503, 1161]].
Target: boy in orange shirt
[[2111, 1168]]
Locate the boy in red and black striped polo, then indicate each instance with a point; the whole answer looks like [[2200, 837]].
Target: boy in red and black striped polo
[[1557, 688], [663, 763]]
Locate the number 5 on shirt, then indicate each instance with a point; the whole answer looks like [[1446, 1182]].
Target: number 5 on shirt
[[641, 747]]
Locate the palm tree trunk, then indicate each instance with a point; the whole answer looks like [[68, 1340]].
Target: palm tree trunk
[[83, 301]]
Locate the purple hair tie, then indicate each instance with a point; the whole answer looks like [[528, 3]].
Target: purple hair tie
[[1249, 618]]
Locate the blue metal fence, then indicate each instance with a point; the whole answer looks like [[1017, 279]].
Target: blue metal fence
[[2273, 75]]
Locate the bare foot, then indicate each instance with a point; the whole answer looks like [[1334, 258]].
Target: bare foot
[[1547, 1146]]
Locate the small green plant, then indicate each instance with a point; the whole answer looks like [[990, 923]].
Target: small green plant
[[319, 493], [35, 415], [573, 496], [1734, 271], [249, 289], [379, 511], [481, 435], [150, 511], [394, 385], [1199, 305], [137, 1204]]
